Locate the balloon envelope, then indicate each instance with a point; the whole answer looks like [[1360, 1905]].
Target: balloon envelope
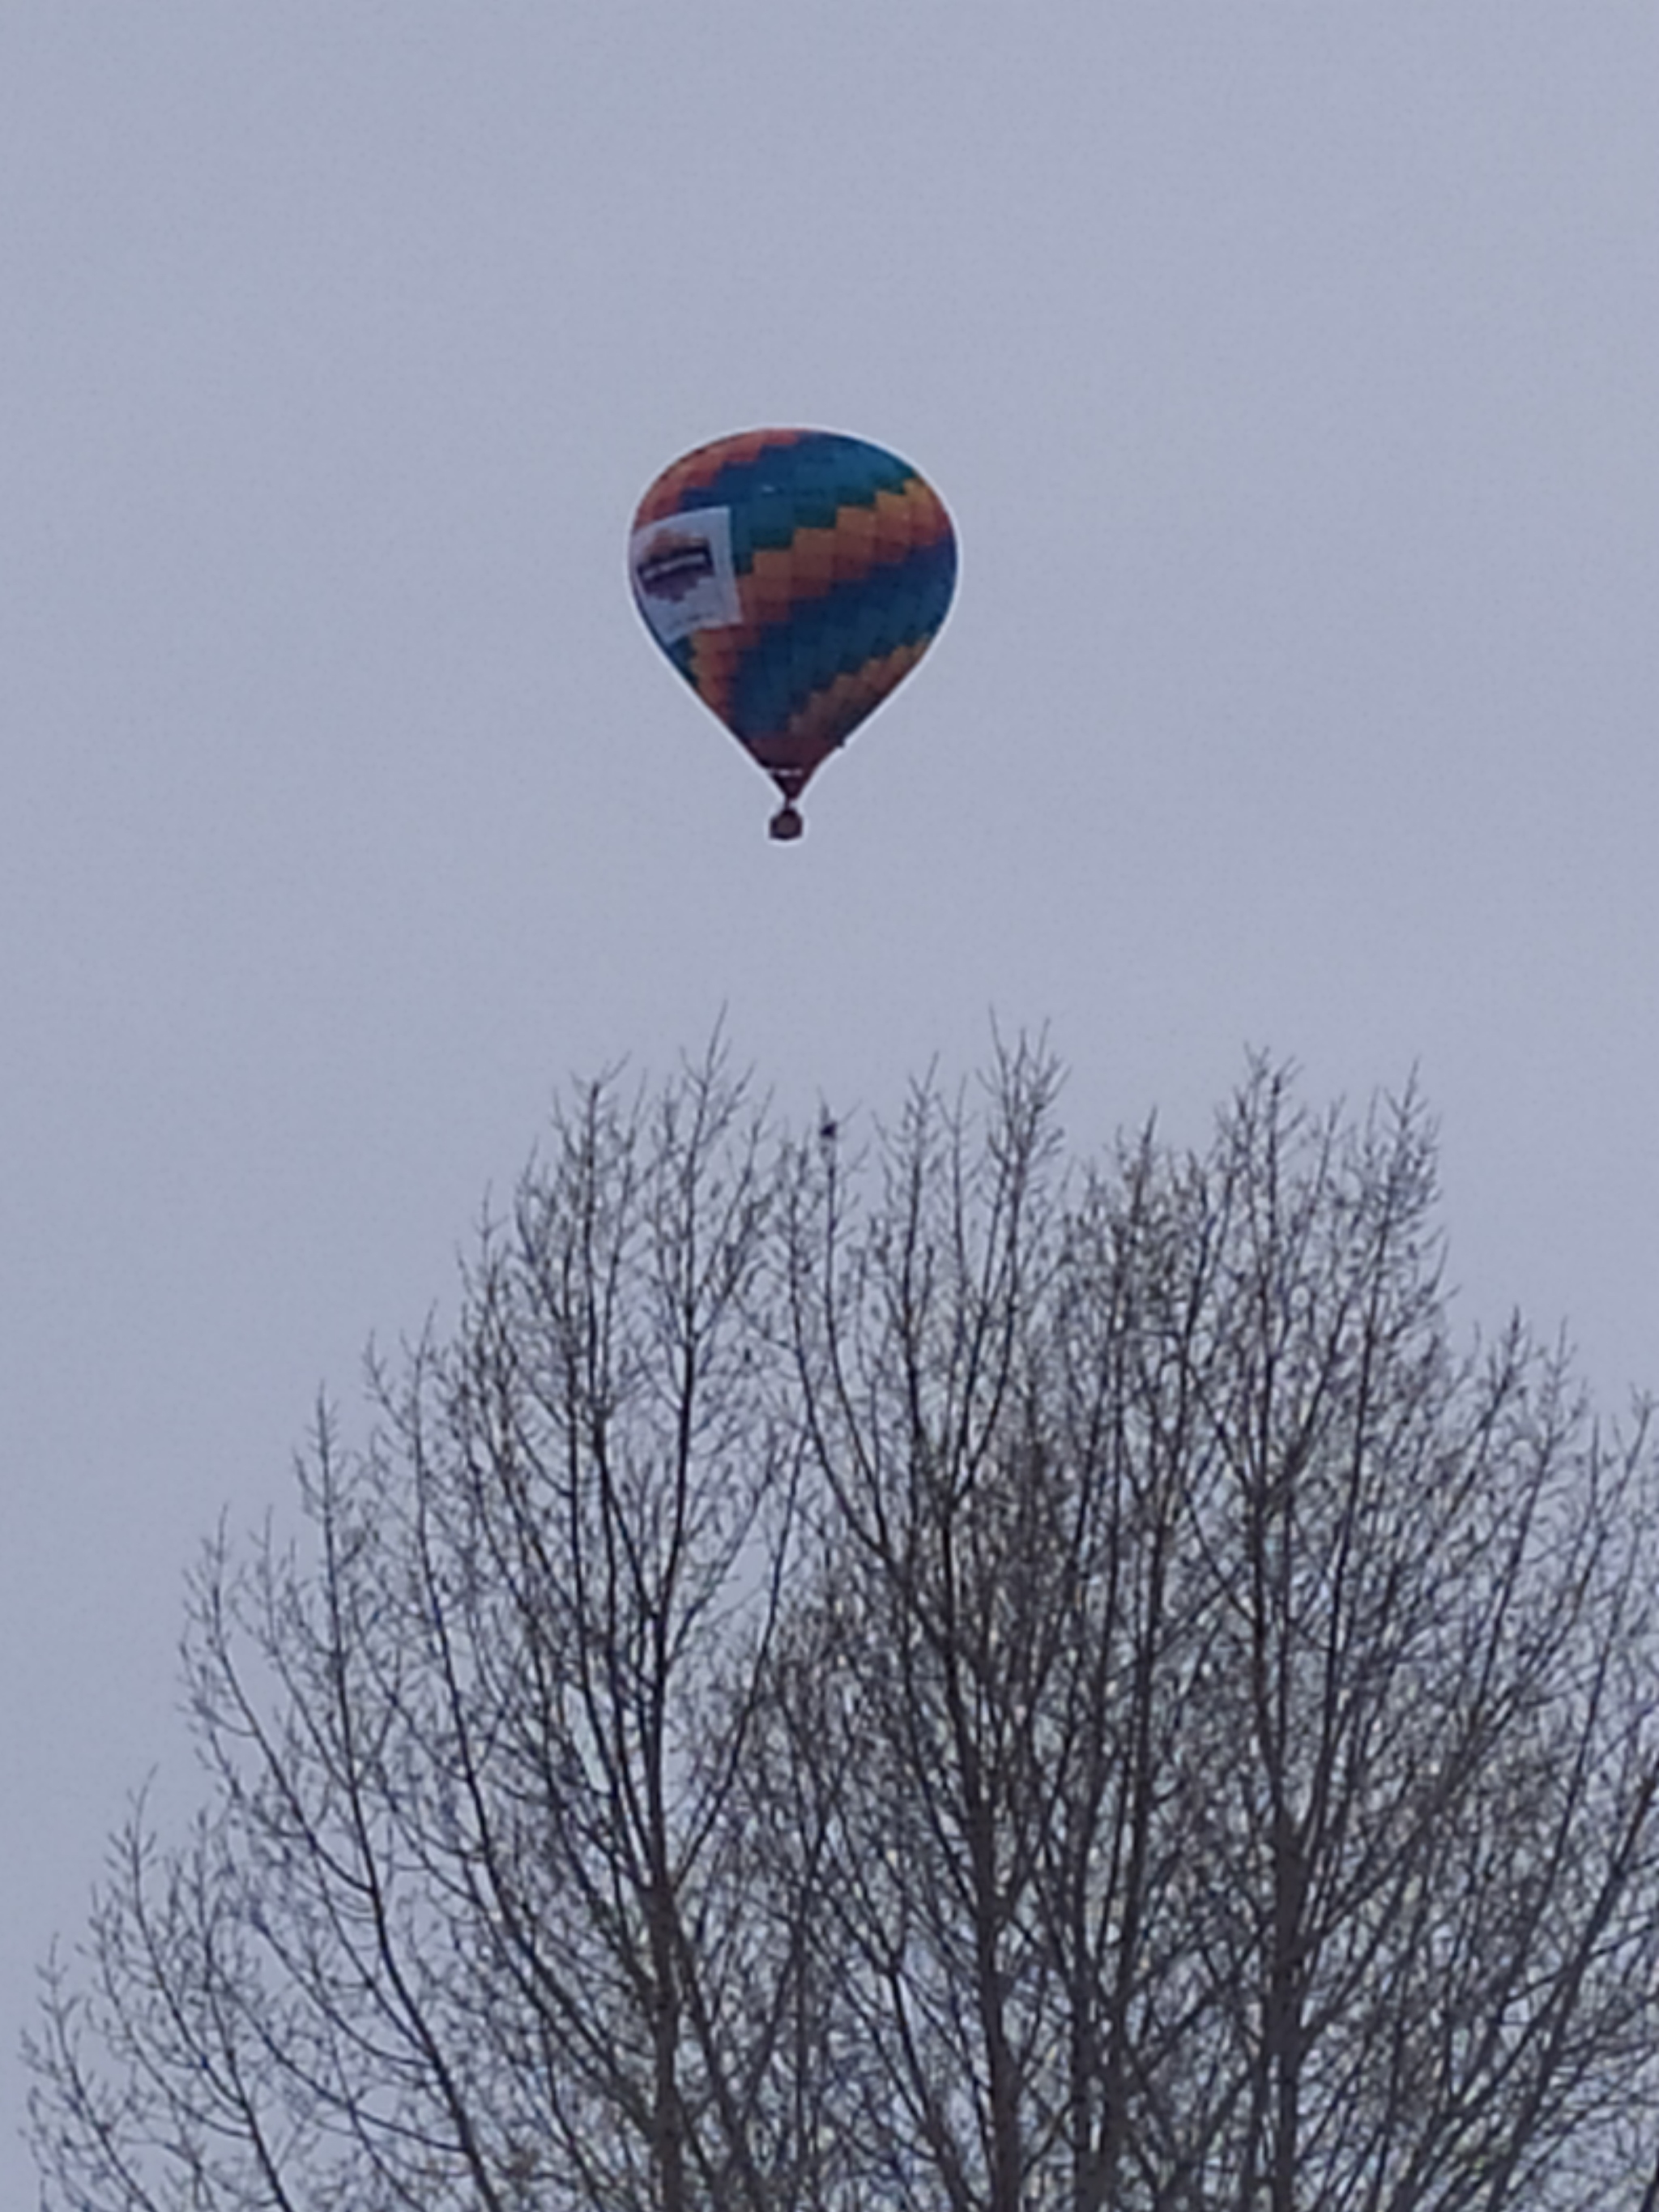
[[794, 577]]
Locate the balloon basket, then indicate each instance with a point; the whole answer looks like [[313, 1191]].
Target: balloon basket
[[786, 825]]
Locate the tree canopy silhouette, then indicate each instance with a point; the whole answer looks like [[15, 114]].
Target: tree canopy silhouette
[[912, 1670]]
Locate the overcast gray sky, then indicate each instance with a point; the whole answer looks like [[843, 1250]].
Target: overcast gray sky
[[1290, 372]]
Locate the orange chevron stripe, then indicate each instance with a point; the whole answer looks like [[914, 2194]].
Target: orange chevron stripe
[[834, 712], [860, 539], [703, 466], [715, 655]]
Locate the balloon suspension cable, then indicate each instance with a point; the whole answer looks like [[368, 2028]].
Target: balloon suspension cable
[[786, 824]]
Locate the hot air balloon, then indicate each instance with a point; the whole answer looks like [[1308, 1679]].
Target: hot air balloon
[[794, 577]]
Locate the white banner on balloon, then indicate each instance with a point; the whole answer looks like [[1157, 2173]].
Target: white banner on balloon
[[682, 574]]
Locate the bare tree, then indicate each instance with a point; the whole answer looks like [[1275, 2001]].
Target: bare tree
[[938, 1674], [1244, 1788], [464, 1924]]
